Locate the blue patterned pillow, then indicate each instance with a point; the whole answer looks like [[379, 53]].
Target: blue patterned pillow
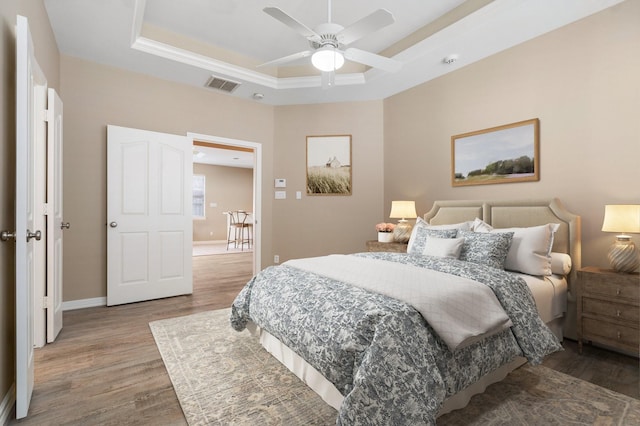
[[485, 249], [421, 234]]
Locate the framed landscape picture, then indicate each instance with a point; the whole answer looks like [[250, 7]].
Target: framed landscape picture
[[329, 165], [502, 154]]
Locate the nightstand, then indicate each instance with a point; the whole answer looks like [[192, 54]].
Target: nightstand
[[375, 245], [608, 309]]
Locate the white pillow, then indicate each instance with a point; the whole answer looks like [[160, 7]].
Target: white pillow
[[560, 263], [530, 251], [424, 224], [479, 225], [462, 226], [443, 247]]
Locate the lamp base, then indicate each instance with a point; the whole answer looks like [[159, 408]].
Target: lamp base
[[402, 231], [624, 256]]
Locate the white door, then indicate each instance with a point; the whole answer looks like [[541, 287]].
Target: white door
[[55, 224], [28, 78], [149, 216]]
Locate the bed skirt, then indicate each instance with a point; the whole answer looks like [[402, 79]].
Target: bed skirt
[[328, 392]]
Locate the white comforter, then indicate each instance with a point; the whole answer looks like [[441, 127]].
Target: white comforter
[[460, 310]]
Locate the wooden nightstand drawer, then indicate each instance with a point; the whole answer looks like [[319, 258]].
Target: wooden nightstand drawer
[[619, 311], [608, 309], [614, 334], [601, 284]]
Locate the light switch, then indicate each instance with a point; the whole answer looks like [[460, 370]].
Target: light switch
[[298, 195], [281, 195]]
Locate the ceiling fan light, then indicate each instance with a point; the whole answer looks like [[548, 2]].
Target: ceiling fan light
[[327, 59]]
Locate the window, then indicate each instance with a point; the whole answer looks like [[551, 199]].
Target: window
[[197, 192]]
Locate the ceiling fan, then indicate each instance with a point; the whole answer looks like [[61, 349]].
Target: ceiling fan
[[329, 40]]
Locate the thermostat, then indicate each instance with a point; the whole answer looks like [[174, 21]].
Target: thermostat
[[280, 183]]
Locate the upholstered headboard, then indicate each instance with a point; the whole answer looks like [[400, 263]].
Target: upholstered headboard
[[521, 213]]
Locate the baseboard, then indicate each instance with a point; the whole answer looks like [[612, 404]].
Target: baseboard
[[202, 243], [84, 303], [6, 407]]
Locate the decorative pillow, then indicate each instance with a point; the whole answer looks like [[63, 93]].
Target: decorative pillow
[[421, 223], [443, 247], [485, 248], [530, 251], [419, 236], [560, 263]]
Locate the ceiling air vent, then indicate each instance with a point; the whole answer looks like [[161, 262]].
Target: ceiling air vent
[[221, 84]]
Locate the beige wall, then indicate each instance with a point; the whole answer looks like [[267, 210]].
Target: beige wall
[[95, 96], [317, 225], [230, 188], [47, 55], [582, 82]]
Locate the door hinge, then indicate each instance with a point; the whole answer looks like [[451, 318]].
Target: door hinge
[[45, 209], [48, 115], [45, 302]]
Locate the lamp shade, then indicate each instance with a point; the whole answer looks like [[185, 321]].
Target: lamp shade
[[623, 218], [403, 210], [327, 59]]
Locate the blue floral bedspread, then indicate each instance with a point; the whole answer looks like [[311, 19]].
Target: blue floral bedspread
[[380, 353]]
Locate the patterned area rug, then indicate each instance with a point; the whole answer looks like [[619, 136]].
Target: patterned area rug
[[224, 377]]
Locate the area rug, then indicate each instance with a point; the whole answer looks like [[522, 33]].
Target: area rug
[[221, 376]]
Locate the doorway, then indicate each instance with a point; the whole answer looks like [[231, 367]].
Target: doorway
[[241, 161]]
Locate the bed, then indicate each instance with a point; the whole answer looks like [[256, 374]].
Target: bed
[[370, 347]]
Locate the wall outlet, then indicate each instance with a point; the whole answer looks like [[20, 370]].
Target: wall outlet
[[276, 259]]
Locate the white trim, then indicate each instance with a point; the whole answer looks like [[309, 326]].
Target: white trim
[[187, 57], [84, 303], [6, 407]]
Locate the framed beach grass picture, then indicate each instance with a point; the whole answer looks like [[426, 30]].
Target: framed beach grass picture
[[329, 165], [502, 154]]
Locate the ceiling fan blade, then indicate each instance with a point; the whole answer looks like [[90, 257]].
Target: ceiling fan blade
[[370, 23], [328, 79], [292, 23], [372, 60], [289, 58]]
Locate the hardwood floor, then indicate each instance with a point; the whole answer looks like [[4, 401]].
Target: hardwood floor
[[105, 369], [602, 367]]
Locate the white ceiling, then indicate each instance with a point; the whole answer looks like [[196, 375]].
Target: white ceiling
[[187, 41]]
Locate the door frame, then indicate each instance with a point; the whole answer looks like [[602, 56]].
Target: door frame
[[257, 186]]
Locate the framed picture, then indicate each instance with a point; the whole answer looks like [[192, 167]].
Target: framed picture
[[329, 165], [502, 154]]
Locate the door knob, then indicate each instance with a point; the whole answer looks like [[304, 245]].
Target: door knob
[[113, 224], [6, 235], [65, 225], [37, 235]]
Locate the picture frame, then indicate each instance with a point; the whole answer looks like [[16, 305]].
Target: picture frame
[[503, 154], [329, 165]]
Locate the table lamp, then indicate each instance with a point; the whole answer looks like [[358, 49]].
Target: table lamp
[[402, 210], [623, 218]]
